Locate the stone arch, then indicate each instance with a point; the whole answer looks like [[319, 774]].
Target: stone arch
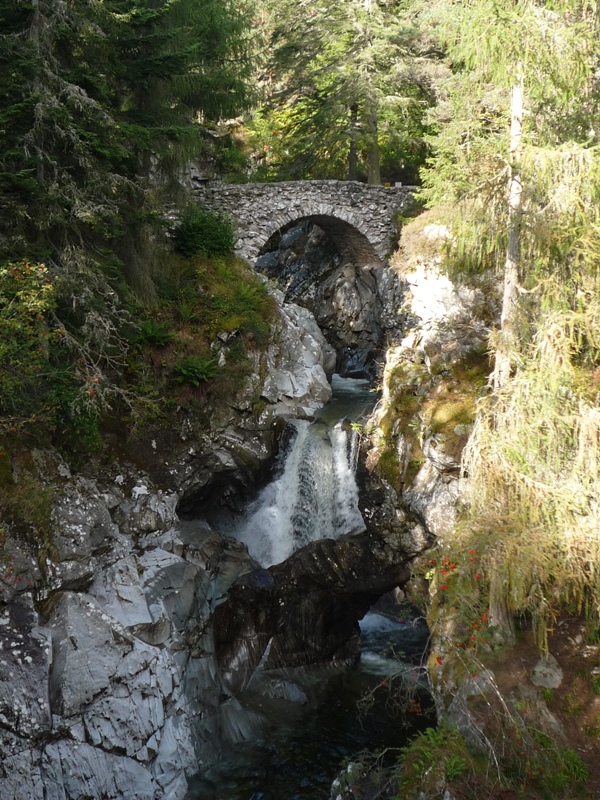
[[359, 219]]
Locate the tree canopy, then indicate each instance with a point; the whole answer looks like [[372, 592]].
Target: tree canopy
[[346, 89], [102, 105]]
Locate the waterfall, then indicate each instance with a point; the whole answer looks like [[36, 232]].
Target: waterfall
[[314, 497]]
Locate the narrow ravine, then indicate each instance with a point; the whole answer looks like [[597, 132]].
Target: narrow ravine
[[309, 720]]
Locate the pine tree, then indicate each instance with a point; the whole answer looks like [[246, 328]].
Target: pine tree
[[346, 85], [516, 159], [522, 95], [99, 105]]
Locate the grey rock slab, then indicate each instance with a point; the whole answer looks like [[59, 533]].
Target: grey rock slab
[[125, 724], [547, 673], [20, 773], [172, 581], [119, 593], [432, 496], [24, 663], [83, 524], [175, 758], [75, 771], [85, 653], [147, 510]]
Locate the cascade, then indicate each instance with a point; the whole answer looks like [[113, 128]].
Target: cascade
[[297, 723], [314, 496]]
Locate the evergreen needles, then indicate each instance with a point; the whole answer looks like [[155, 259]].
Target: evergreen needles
[[533, 463]]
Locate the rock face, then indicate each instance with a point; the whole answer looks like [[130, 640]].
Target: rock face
[[129, 634], [118, 688], [130, 662], [219, 464], [430, 382], [356, 307]]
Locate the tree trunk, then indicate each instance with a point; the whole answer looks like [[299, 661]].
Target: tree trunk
[[36, 24], [353, 154], [373, 168], [510, 297]]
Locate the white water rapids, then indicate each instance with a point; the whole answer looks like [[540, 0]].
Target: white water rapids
[[315, 495]]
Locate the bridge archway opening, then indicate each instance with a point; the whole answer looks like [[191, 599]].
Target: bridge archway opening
[[350, 243], [329, 267]]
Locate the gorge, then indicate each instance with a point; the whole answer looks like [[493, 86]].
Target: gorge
[[299, 400], [138, 650]]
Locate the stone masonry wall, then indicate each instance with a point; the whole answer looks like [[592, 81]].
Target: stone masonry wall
[[360, 219]]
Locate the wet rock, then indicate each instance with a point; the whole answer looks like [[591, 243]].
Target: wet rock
[[305, 610], [383, 513], [538, 714], [119, 690], [79, 770], [85, 655], [298, 364], [119, 593], [460, 712], [354, 306], [147, 509]]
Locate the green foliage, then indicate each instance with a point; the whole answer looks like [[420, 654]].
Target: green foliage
[[456, 766], [388, 467], [596, 685], [574, 766], [547, 694], [195, 370], [435, 756], [27, 504], [534, 467], [348, 86], [154, 333], [26, 295], [239, 301], [99, 111], [204, 232]]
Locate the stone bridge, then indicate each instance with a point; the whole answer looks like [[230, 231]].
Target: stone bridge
[[361, 220]]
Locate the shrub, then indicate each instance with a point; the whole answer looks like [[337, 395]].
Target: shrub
[[154, 333], [533, 462], [26, 295], [195, 370], [204, 232]]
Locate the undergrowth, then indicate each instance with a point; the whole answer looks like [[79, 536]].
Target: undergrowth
[[201, 342], [533, 463]]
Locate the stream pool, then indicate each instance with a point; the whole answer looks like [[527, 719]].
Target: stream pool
[[300, 752]]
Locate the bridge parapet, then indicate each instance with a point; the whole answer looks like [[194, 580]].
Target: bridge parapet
[[360, 219]]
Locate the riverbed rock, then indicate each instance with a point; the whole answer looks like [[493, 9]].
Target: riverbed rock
[[305, 610]]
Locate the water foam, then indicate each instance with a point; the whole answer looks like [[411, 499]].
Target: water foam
[[315, 496]]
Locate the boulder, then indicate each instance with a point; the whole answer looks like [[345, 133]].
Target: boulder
[[306, 609]]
